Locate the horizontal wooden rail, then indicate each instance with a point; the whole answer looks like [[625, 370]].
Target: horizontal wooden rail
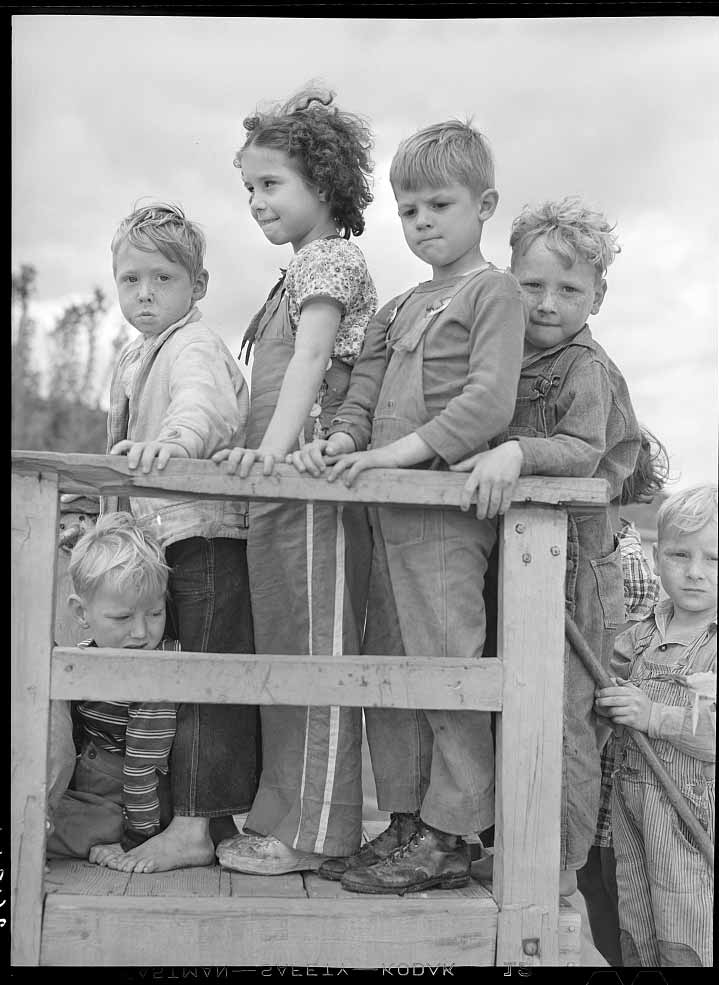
[[287, 933], [109, 475], [526, 690], [82, 673]]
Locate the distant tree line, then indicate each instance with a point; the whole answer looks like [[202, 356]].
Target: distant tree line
[[64, 415]]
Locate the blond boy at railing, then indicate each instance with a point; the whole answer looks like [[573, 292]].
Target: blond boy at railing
[[177, 392], [119, 777], [665, 686], [435, 382], [573, 417]]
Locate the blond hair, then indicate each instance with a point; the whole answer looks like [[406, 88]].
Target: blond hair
[[166, 228], [688, 510], [118, 551], [570, 229], [443, 153]]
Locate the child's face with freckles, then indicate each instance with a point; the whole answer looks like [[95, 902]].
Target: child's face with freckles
[[559, 298], [687, 566], [154, 292]]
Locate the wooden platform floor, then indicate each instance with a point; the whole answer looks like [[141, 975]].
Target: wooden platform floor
[[211, 916]]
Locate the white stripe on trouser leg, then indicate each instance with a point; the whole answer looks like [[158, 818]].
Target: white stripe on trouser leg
[[309, 545], [334, 710]]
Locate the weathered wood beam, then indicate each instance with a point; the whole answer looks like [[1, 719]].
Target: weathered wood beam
[[533, 559], [34, 531], [109, 475], [80, 673], [288, 933]]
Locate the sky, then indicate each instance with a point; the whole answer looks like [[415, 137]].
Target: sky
[[624, 112]]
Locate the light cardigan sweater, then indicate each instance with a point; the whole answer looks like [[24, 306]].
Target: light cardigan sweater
[[184, 387]]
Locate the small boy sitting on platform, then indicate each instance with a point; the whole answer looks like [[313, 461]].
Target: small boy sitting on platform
[[573, 417], [665, 686], [119, 580]]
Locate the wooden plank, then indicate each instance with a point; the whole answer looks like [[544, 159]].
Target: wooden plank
[[225, 883], [244, 886], [73, 876], [529, 735], [34, 529], [197, 881], [318, 888], [358, 933], [109, 475], [222, 678], [570, 935]]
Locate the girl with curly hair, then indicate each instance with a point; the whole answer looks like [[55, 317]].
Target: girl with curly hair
[[306, 167]]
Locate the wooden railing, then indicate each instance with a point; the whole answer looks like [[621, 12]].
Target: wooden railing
[[524, 681]]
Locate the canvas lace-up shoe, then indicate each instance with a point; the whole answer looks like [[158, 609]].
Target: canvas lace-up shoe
[[264, 855], [401, 828], [430, 859]]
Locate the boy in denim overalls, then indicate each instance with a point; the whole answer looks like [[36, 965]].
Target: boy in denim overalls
[[573, 418], [665, 686], [436, 381]]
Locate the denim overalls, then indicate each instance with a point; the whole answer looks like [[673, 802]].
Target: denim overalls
[[309, 567], [428, 569], [665, 885], [595, 599]]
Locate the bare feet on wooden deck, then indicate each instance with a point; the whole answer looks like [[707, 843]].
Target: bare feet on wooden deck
[[184, 843], [107, 855]]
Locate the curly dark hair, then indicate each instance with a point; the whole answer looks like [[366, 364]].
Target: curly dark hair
[[650, 473], [329, 148]]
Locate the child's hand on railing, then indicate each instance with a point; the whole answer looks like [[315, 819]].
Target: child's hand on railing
[[144, 453], [349, 466], [245, 458], [318, 454], [494, 478]]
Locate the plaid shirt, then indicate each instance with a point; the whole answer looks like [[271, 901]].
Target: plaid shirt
[[641, 585], [603, 835], [641, 593]]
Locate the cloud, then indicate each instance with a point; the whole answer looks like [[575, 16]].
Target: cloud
[[622, 111]]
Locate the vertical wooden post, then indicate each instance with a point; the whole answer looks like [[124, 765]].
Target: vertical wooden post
[[529, 735], [34, 534]]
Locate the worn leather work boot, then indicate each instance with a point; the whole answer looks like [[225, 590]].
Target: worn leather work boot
[[430, 858], [401, 828]]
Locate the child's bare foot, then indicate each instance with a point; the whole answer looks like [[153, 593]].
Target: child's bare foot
[[185, 842], [107, 855]]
